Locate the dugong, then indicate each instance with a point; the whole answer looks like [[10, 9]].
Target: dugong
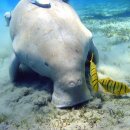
[[53, 42]]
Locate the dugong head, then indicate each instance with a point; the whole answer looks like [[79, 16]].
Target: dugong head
[[70, 87]]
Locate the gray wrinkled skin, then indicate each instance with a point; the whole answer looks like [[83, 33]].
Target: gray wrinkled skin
[[54, 43]]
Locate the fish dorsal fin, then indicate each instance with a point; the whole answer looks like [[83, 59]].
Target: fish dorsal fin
[[108, 78], [91, 58]]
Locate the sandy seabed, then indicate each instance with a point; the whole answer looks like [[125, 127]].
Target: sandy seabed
[[26, 105]]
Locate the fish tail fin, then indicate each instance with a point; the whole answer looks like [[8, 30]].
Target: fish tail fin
[[129, 90]]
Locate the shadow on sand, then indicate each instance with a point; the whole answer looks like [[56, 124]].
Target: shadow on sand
[[30, 79]]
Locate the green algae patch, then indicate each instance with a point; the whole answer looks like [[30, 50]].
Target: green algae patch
[[3, 118]]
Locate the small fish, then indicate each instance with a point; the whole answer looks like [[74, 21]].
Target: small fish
[[114, 87], [93, 75]]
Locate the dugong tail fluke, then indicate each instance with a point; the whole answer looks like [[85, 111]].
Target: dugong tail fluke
[[41, 3], [45, 3], [66, 1]]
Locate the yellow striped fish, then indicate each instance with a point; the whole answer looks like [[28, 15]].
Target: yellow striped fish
[[114, 87], [93, 75]]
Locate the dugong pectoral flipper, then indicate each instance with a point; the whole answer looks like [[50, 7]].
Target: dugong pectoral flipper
[[14, 67], [7, 16]]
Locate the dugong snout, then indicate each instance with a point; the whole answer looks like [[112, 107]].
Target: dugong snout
[[75, 83], [69, 92]]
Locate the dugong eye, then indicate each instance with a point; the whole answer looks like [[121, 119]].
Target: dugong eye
[[71, 84]]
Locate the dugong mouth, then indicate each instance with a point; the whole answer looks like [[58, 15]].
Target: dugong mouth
[[63, 98]]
